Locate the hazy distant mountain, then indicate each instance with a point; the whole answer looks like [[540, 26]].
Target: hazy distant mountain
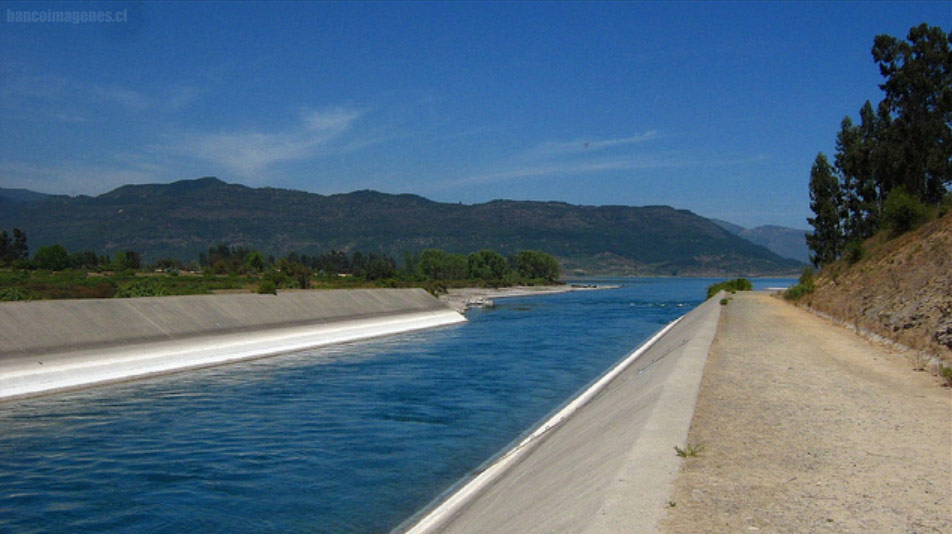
[[786, 242], [184, 218], [21, 195]]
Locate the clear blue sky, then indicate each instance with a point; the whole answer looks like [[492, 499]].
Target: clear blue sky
[[715, 107]]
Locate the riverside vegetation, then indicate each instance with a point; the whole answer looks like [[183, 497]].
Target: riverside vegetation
[[55, 273], [731, 286], [883, 210], [892, 171]]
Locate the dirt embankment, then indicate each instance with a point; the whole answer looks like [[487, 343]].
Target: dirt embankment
[[901, 289]]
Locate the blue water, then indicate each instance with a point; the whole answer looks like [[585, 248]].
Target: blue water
[[353, 438]]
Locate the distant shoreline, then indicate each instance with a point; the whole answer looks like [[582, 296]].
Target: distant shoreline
[[462, 299]]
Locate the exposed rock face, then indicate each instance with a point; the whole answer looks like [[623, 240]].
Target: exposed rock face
[[901, 289], [943, 332]]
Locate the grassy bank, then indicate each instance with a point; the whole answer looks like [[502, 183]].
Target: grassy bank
[[76, 284]]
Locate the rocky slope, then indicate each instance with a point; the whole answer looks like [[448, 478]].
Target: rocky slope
[[901, 289]]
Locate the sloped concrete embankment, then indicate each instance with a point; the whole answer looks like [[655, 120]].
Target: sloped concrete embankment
[[53, 345], [606, 465]]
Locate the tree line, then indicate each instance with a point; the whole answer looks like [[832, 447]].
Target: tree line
[[430, 265], [294, 269], [15, 252], [13, 248], [893, 168]]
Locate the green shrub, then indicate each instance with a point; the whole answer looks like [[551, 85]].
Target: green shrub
[[737, 284], [689, 451], [804, 287], [946, 373], [141, 288], [279, 278], [854, 251], [267, 287], [724, 302], [795, 292], [903, 213], [806, 278], [15, 293], [435, 288], [52, 257]]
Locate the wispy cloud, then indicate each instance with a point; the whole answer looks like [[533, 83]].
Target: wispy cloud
[[551, 169], [251, 151], [127, 98], [28, 94], [166, 99], [564, 168], [552, 148], [579, 157]]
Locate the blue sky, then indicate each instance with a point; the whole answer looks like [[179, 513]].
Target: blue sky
[[715, 107]]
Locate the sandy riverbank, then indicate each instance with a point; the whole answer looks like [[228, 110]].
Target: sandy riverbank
[[809, 428], [462, 299]]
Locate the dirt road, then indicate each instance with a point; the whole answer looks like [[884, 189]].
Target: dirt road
[[809, 428]]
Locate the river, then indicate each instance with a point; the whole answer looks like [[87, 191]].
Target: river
[[353, 438]]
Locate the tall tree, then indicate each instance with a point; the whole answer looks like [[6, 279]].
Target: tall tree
[[19, 250], [918, 88], [870, 168], [378, 266], [6, 247], [536, 264], [849, 162], [826, 201], [861, 168], [486, 265], [52, 257]]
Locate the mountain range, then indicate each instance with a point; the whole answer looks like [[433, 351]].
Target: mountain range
[[184, 218], [787, 242]]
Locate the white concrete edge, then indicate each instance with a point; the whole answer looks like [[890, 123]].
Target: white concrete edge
[[127, 363], [668, 424], [470, 490]]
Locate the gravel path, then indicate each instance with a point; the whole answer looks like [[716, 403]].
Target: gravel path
[[810, 428]]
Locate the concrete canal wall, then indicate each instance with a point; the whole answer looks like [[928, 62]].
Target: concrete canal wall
[[51, 345], [605, 463]]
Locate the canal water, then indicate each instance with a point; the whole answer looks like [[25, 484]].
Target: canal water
[[353, 438]]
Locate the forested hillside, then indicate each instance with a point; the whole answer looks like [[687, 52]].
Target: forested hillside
[[185, 218]]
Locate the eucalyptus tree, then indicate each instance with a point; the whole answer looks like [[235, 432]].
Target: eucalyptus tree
[[826, 201]]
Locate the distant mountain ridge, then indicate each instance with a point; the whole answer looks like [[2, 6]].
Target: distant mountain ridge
[[184, 218], [785, 242], [21, 195]]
